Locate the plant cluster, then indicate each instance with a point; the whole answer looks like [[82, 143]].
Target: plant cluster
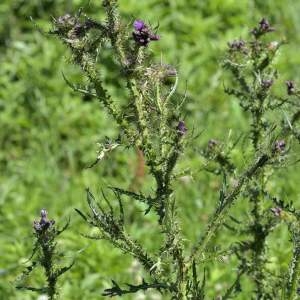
[[45, 255], [151, 120]]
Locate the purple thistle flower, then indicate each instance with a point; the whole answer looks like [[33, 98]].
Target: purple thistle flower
[[181, 128], [237, 45], [264, 27], [142, 34], [43, 224], [139, 25]]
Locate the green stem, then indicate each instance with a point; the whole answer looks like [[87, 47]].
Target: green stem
[[219, 217], [259, 239], [259, 260], [259, 236], [47, 263], [256, 126], [294, 270]]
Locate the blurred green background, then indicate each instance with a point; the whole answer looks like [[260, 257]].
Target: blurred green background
[[48, 135]]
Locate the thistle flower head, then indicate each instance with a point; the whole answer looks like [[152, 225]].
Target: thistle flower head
[[212, 143], [72, 27], [139, 25], [290, 87], [181, 128], [237, 45], [276, 211], [263, 28], [266, 83], [279, 146], [44, 214], [161, 72], [273, 46], [43, 224], [142, 33], [264, 25], [65, 23]]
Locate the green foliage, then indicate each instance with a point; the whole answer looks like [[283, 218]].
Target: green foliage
[[45, 254], [50, 133]]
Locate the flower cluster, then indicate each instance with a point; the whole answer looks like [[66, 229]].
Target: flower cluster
[[160, 138], [142, 34], [45, 254], [212, 143], [72, 27]]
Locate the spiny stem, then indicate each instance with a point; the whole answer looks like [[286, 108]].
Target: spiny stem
[[294, 270], [219, 217]]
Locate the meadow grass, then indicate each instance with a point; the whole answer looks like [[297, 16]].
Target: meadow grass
[[48, 135]]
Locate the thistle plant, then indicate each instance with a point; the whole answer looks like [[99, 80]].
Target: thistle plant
[[151, 121], [45, 255], [251, 64]]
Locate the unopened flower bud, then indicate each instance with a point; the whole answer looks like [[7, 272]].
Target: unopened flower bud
[[263, 27], [43, 224], [276, 211], [279, 146], [44, 214], [237, 45], [290, 87], [181, 128], [65, 23], [273, 46], [212, 143], [267, 83]]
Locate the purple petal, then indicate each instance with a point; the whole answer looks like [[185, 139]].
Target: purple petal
[[181, 128], [138, 25]]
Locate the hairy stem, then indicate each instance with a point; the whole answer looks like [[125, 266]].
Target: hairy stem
[[219, 217], [294, 270], [47, 263]]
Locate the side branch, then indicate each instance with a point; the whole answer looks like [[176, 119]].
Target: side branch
[[116, 290], [219, 216]]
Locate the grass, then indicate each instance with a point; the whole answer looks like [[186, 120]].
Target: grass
[[49, 134]]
